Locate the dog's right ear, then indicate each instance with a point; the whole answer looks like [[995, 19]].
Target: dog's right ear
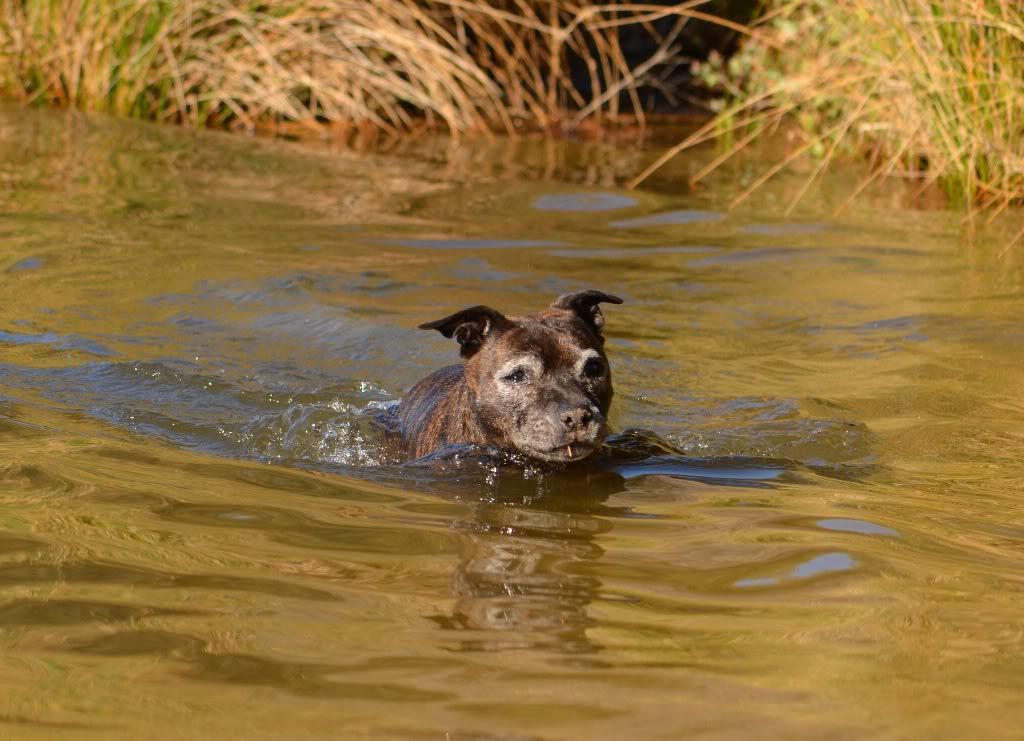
[[585, 305], [470, 327]]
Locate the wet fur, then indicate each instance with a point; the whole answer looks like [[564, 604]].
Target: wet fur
[[558, 408]]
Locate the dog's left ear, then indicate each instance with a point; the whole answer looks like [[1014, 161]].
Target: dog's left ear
[[585, 305], [470, 327]]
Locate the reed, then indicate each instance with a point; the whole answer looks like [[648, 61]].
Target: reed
[[391, 63], [931, 90]]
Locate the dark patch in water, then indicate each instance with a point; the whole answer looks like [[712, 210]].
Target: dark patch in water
[[57, 342], [29, 263], [32, 612]]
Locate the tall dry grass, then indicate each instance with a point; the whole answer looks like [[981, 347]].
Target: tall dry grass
[[392, 63], [931, 90]]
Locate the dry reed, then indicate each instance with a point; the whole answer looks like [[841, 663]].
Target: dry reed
[[392, 63]]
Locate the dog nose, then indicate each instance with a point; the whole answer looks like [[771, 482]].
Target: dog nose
[[576, 418]]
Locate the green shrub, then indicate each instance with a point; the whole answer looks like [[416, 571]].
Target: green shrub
[[931, 90]]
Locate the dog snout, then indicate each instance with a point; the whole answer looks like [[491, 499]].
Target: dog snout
[[574, 419]]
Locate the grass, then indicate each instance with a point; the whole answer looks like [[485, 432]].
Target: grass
[[390, 63], [930, 90]]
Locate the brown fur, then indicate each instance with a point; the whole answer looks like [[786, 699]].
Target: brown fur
[[556, 412]]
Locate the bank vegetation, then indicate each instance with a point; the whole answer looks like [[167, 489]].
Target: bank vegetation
[[393, 64], [928, 90]]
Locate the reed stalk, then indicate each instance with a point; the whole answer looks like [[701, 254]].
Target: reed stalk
[[495, 64]]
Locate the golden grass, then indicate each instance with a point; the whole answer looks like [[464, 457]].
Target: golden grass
[[392, 63], [931, 90]]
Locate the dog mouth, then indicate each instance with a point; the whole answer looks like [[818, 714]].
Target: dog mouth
[[564, 453]]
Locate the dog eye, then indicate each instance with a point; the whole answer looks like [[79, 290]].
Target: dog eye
[[593, 368], [516, 376]]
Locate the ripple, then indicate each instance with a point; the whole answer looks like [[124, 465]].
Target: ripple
[[141, 643], [476, 269], [472, 244], [784, 229], [70, 612], [845, 525], [19, 544], [334, 425], [775, 428], [625, 252], [826, 563], [312, 680], [296, 529], [38, 479], [307, 679], [57, 342], [753, 255], [669, 218], [721, 471], [98, 572], [223, 516], [583, 202], [328, 432], [823, 564]]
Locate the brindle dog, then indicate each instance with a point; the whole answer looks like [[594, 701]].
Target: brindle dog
[[538, 385]]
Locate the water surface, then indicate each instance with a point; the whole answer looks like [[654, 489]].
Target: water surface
[[809, 523]]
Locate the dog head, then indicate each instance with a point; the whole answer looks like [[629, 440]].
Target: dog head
[[540, 385]]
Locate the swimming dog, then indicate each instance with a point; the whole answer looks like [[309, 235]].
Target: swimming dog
[[538, 385]]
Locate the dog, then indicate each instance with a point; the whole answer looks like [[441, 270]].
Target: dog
[[537, 385]]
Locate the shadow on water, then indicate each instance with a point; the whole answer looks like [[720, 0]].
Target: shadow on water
[[32, 612], [305, 679]]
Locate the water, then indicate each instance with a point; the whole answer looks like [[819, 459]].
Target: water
[[809, 523]]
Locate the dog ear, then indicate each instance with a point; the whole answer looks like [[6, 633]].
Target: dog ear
[[585, 305], [470, 327]]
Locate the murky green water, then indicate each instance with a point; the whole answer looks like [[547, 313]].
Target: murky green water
[[821, 534]]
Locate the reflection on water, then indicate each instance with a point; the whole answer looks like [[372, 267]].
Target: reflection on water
[[807, 521], [815, 566], [844, 524], [513, 584]]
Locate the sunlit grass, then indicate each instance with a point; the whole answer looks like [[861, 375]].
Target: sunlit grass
[[931, 90], [389, 63]]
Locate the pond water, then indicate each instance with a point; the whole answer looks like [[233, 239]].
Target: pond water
[[809, 522]]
